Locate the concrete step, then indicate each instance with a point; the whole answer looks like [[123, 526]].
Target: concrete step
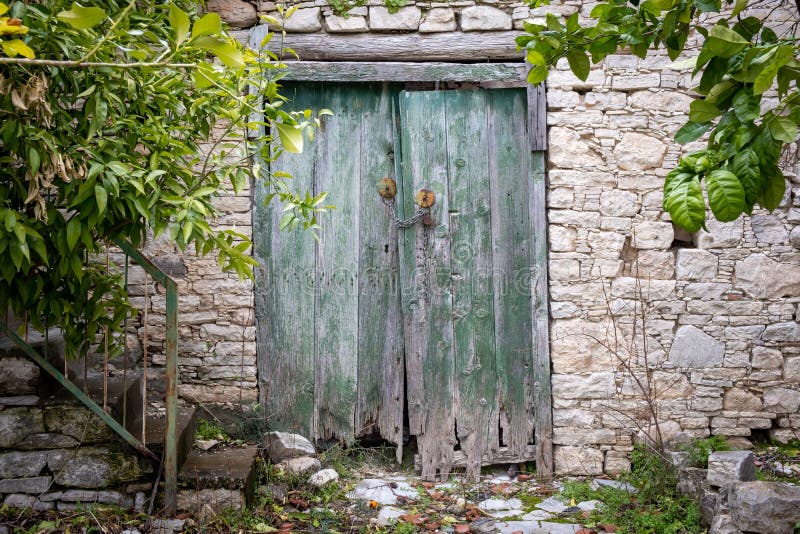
[[220, 478], [155, 431]]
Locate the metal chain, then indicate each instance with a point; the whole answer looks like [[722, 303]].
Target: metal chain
[[404, 223]]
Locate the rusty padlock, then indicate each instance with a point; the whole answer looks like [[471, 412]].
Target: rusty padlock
[[425, 198]]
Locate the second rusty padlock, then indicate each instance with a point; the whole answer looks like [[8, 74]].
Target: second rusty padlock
[[425, 198]]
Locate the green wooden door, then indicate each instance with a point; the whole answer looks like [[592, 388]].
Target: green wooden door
[[438, 319]]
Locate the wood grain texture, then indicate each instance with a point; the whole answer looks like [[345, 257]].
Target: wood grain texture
[[509, 172], [537, 117], [471, 260], [284, 291], [451, 46], [379, 408], [429, 369], [542, 392], [370, 71], [500, 456]]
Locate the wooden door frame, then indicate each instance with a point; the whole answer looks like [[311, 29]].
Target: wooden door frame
[[429, 50]]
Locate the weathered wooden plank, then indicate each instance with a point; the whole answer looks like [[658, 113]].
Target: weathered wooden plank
[[352, 71], [509, 170], [380, 342], [336, 319], [453, 46], [471, 260], [500, 456], [537, 117], [284, 292], [429, 367], [542, 399]]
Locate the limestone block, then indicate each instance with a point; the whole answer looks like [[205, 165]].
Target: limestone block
[[654, 264], [653, 235], [606, 244], [791, 370], [637, 151], [22, 464], [694, 264], [727, 467], [405, 19], [284, 445], [741, 400], [301, 465], [692, 347], [584, 436], [18, 376], [782, 332], [607, 100], [77, 422], [18, 423], [564, 269], [723, 524], [794, 237], [93, 467], [568, 150], [35, 485], [633, 288], [484, 18], [618, 203], [438, 19], [781, 400], [592, 386], [303, 20], [578, 461], [237, 13], [764, 358], [706, 290], [660, 101], [557, 99], [765, 506], [616, 462], [769, 229], [217, 499], [573, 417], [762, 277], [719, 235], [632, 82], [46, 441], [562, 238]]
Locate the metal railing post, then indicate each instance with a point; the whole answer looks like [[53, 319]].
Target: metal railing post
[[171, 441]]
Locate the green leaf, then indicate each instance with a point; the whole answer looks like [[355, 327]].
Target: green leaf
[[691, 131], [773, 187], [738, 7], [101, 197], [783, 129], [746, 106], [725, 195], [291, 137], [745, 167], [228, 53], [686, 206], [82, 18], [724, 42], [535, 58], [707, 6], [579, 63], [783, 54], [537, 75], [179, 21], [204, 76], [208, 24], [73, 232], [17, 47], [702, 111]]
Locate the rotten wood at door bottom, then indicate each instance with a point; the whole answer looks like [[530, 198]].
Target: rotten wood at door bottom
[[502, 456]]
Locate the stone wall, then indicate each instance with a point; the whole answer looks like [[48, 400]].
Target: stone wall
[[55, 454], [716, 313]]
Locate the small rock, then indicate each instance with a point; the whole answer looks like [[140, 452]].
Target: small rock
[[493, 505], [206, 444], [389, 515], [585, 531], [723, 524], [301, 465], [552, 505], [382, 491], [589, 506], [537, 515], [483, 525], [461, 528], [320, 478], [167, 526], [771, 507], [283, 445]]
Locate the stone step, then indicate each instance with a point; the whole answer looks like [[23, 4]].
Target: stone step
[[224, 478], [155, 431]]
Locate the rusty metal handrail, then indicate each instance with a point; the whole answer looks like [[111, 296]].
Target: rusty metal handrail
[[171, 354]]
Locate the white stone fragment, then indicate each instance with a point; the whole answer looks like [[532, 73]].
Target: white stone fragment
[[320, 478]]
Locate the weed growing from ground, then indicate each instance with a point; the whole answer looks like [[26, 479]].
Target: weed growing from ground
[[655, 508], [210, 430], [700, 449]]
